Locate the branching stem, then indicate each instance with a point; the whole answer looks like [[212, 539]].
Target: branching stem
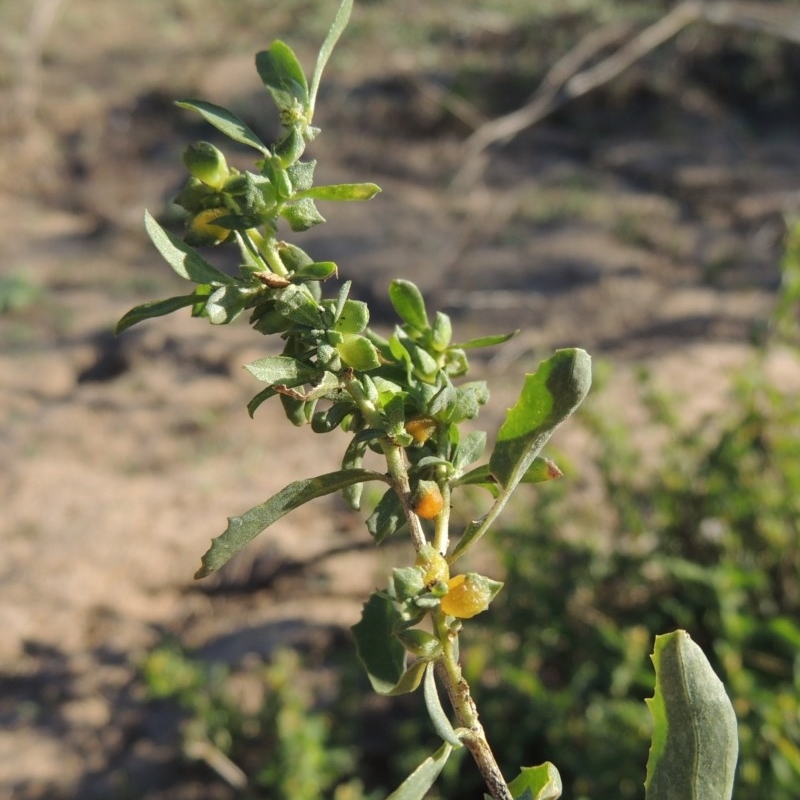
[[474, 738], [398, 475]]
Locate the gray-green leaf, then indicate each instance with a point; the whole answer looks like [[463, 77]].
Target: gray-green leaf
[[241, 530], [157, 308], [548, 397], [337, 27], [441, 724], [341, 191], [283, 76], [185, 260], [695, 746], [283, 370], [537, 783], [225, 121], [416, 785], [379, 651], [409, 304]]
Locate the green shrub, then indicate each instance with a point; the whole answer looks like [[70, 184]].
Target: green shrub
[[285, 744], [708, 540]]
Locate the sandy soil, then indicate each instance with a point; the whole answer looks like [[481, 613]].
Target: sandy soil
[[642, 232]]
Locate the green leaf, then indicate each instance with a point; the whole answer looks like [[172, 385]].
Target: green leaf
[[227, 303], [441, 724], [541, 470], [416, 785], [358, 352], [353, 458], [317, 271], [297, 304], [302, 215], [420, 643], [379, 651], [301, 174], [337, 27], [353, 316], [242, 530], [156, 308], [281, 370], [341, 191], [409, 304], [695, 746], [441, 332], [486, 341], [283, 76], [387, 518], [537, 783], [227, 122], [186, 261], [466, 402], [548, 397], [469, 450]]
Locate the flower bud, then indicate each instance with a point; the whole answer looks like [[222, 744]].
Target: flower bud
[[469, 594], [203, 231], [421, 428], [206, 163], [434, 564]]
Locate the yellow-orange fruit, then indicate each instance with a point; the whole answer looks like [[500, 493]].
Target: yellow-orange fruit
[[435, 565], [202, 229], [428, 501], [467, 595], [421, 428]]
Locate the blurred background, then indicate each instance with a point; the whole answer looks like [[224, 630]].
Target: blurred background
[[643, 207]]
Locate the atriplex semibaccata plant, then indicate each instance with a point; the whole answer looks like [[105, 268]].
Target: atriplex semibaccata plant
[[400, 396]]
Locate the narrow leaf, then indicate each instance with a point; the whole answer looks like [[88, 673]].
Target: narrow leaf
[[241, 530], [225, 121], [548, 397], [353, 458], [416, 785], [542, 783], [409, 304], [469, 450], [337, 27], [695, 746], [541, 470], [283, 76], [486, 341], [441, 724], [227, 303], [157, 308], [297, 304], [387, 518], [185, 260], [317, 271], [284, 370], [341, 191]]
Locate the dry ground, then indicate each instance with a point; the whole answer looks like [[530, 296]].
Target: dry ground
[[644, 226]]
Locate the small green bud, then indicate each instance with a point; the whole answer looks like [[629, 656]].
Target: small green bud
[[206, 163], [420, 643], [290, 147]]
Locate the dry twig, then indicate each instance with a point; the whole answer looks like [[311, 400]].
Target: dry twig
[[564, 82]]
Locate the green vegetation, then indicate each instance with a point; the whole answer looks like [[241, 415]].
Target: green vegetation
[[563, 672], [705, 537]]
